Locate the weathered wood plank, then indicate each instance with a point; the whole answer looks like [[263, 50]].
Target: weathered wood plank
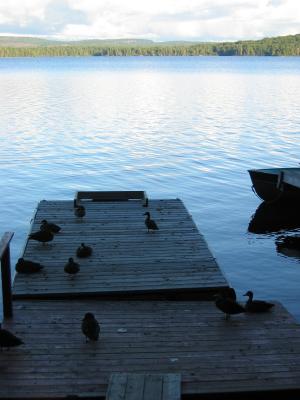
[[117, 387], [144, 387], [171, 387]]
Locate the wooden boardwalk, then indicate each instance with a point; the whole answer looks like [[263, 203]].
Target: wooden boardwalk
[[248, 353], [126, 258]]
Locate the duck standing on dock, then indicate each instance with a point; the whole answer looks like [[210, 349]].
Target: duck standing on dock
[[84, 251], [8, 339], [150, 223], [49, 226], [256, 306], [229, 293], [71, 267], [27, 266], [42, 236], [228, 306], [90, 327], [79, 211]]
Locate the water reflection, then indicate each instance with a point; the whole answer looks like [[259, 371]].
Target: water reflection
[[275, 217], [289, 245], [280, 216]]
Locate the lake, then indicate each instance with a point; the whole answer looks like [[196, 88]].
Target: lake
[[187, 127]]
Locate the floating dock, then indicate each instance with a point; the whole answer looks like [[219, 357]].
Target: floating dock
[[152, 345], [127, 259]]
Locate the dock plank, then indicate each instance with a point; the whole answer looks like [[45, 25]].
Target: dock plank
[[126, 258]]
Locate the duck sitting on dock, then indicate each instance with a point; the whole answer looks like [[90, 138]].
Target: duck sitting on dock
[[28, 267], [42, 236], [8, 339], [256, 306], [90, 327], [71, 267], [150, 223], [83, 251], [49, 226], [79, 211], [228, 306]]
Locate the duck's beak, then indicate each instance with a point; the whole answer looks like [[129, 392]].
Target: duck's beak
[[246, 294]]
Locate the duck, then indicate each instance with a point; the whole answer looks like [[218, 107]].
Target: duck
[[229, 293], [79, 211], [90, 327], [256, 306], [150, 223], [228, 306], [28, 267], [8, 339], [49, 226], [71, 267], [83, 251], [42, 236]]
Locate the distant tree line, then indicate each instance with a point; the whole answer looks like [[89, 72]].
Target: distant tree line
[[279, 46]]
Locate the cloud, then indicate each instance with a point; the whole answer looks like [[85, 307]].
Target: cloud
[[156, 19], [37, 17]]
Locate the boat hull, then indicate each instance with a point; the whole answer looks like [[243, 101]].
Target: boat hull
[[269, 185]]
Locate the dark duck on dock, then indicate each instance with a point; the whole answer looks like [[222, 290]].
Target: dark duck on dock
[[42, 236], [83, 251], [256, 306], [90, 327], [71, 267], [79, 211], [27, 266], [8, 339], [49, 226], [150, 223], [228, 306], [229, 293]]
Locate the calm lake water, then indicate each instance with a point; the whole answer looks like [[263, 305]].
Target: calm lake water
[[173, 126]]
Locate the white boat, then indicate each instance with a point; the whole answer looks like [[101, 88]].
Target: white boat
[[272, 184]]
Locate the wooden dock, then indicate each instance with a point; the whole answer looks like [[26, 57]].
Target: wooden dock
[[126, 258], [247, 354], [175, 344]]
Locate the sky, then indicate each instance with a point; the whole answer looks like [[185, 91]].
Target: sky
[[158, 20]]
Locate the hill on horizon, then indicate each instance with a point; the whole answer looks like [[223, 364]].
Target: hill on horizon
[[12, 46], [30, 41]]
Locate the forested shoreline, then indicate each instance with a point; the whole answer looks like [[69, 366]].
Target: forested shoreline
[[278, 46]]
